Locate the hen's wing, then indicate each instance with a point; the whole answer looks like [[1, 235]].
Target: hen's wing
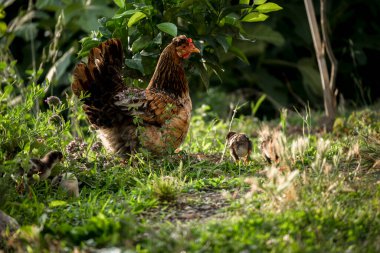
[[152, 107]]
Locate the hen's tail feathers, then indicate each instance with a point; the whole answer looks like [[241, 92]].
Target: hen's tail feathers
[[101, 77]]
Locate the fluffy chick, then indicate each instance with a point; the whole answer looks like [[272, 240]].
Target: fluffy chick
[[7, 222], [67, 182], [269, 145], [42, 167], [240, 146]]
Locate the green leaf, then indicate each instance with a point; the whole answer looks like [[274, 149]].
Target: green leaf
[[2, 14], [236, 51], [258, 2], [59, 68], [88, 43], [244, 2], [255, 106], [119, 3], [168, 28], [3, 28], [231, 19], [255, 17], [3, 65], [225, 42], [203, 73], [158, 39], [56, 203], [135, 63], [265, 33], [268, 7], [125, 13], [141, 43], [136, 18]]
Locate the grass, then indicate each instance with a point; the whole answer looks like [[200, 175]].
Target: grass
[[323, 196]]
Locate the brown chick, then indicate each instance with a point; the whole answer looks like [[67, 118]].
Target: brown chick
[[240, 146], [126, 118], [7, 222], [268, 145], [68, 182], [42, 167]]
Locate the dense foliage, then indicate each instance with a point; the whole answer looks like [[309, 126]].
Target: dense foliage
[[282, 58]]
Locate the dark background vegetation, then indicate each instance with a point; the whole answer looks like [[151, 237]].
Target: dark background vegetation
[[282, 59]]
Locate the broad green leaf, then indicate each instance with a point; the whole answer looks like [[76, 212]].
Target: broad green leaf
[[60, 66], [254, 17], [244, 1], [236, 51], [258, 2], [119, 3], [263, 32], [125, 13], [141, 43], [136, 18], [268, 7], [168, 28], [225, 42], [56, 203], [232, 20], [135, 63]]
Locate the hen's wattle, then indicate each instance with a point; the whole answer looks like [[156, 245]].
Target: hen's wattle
[[156, 118]]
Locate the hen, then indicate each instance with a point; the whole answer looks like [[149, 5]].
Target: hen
[[156, 118]]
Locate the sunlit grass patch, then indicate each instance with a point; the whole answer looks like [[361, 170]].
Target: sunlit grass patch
[[322, 193]]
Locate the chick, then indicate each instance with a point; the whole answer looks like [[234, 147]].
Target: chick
[[240, 146], [7, 222], [269, 145], [42, 167], [67, 182]]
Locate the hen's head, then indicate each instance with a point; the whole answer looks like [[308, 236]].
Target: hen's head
[[184, 46]]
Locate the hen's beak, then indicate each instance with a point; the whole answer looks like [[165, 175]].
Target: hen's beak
[[193, 49]]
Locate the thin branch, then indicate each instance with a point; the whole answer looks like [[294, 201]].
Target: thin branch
[[327, 44], [328, 96]]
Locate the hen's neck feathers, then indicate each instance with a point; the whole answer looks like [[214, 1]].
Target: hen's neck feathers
[[169, 74]]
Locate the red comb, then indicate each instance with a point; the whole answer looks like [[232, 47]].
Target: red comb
[[189, 40]]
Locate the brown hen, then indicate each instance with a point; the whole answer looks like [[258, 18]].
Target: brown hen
[[156, 118]]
